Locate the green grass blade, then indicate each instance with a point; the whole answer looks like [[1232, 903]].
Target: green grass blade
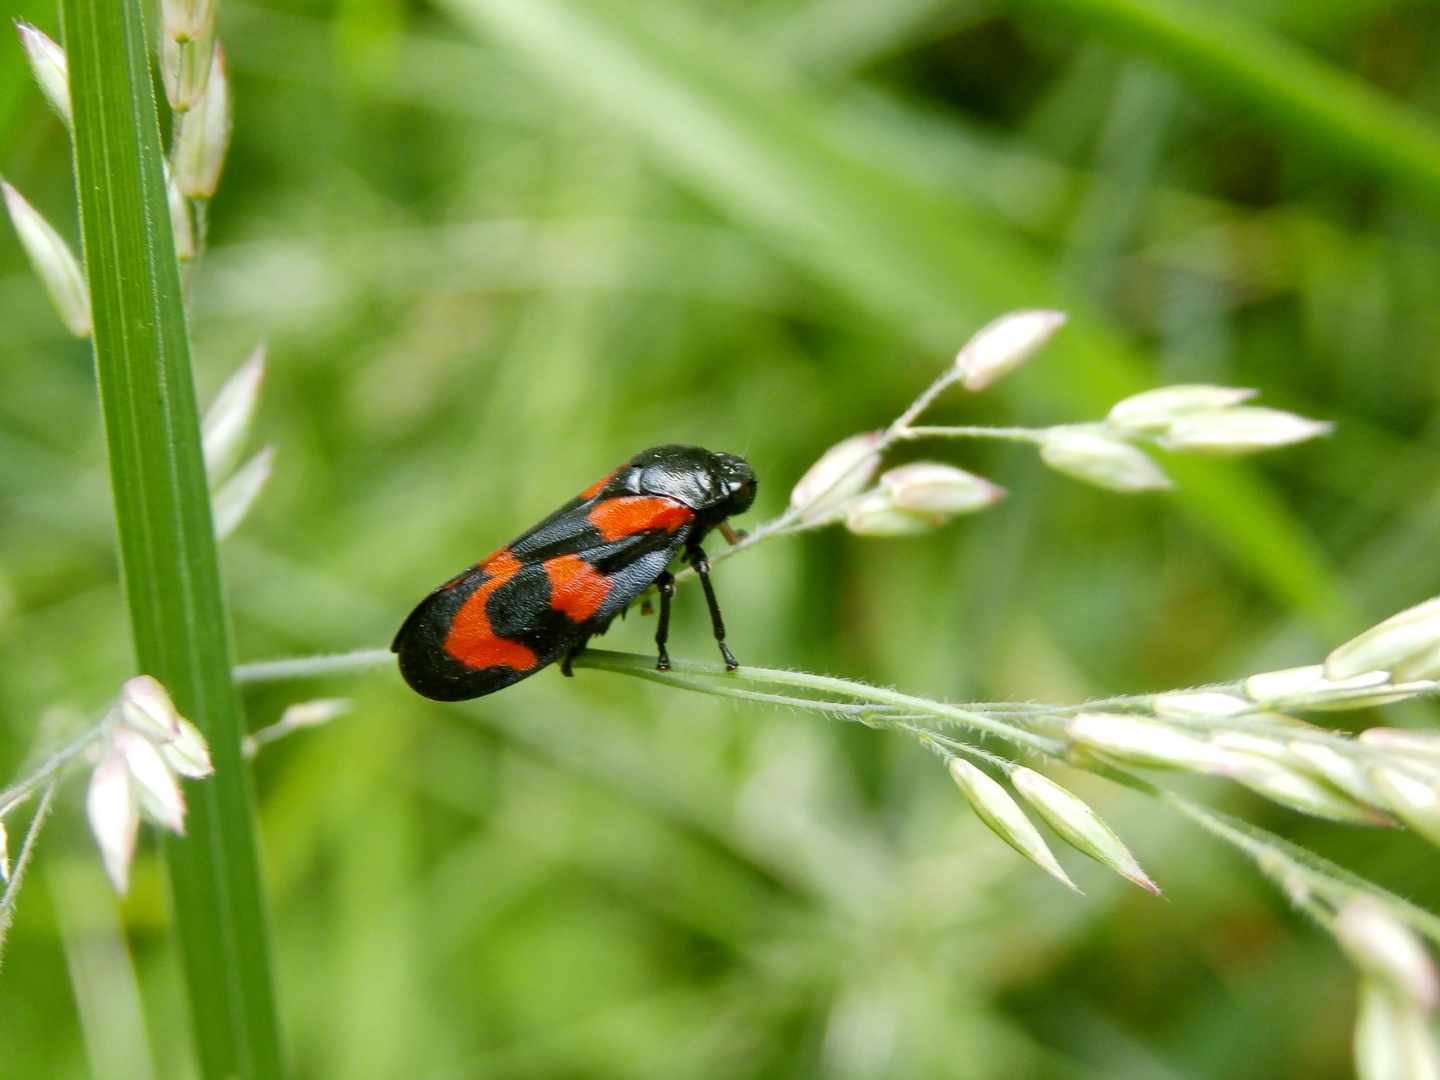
[[1301, 93], [796, 172], [167, 547]]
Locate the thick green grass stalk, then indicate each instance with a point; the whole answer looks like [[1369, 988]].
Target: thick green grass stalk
[[167, 545]]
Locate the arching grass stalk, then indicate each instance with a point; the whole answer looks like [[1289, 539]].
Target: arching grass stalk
[[882, 703], [1037, 730]]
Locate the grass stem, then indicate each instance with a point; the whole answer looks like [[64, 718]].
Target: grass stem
[[168, 558]]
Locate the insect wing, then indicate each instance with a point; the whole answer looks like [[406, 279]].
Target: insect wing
[[530, 603], [605, 552], [448, 648]]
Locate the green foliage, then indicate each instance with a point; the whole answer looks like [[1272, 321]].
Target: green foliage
[[497, 246], [1344, 114]]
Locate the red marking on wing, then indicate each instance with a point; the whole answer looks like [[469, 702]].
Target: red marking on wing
[[576, 587], [627, 515], [595, 488], [471, 640]]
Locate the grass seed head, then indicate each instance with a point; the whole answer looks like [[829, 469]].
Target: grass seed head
[[238, 494], [1142, 742], [1274, 778], [113, 810], [188, 754], [1341, 770], [1403, 641], [1417, 802], [841, 473], [182, 225], [930, 487], [1404, 743], [49, 67], [1307, 688], [146, 707], [1201, 705], [53, 261], [1392, 1037], [1382, 946], [153, 781], [1102, 460], [187, 50], [227, 421], [203, 136], [1079, 826], [1243, 429], [994, 806], [1152, 412], [875, 514], [1003, 345]]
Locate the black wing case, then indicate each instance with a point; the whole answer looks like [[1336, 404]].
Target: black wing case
[[530, 603]]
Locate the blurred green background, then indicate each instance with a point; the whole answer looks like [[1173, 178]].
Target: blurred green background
[[495, 247]]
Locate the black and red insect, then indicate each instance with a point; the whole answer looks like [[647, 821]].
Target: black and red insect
[[545, 594]]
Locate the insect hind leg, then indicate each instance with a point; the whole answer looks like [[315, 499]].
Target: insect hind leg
[[571, 656], [666, 584], [702, 567]]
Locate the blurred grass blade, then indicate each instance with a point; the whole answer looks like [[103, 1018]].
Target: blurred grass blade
[[162, 505], [774, 157], [1238, 57]]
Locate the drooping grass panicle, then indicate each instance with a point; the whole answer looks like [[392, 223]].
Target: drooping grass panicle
[[842, 472], [1241, 429], [908, 501], [113, 810], [137, 751]]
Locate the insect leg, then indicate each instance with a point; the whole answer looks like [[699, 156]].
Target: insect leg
[[571, 655], [702, 567], [666, 584]]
